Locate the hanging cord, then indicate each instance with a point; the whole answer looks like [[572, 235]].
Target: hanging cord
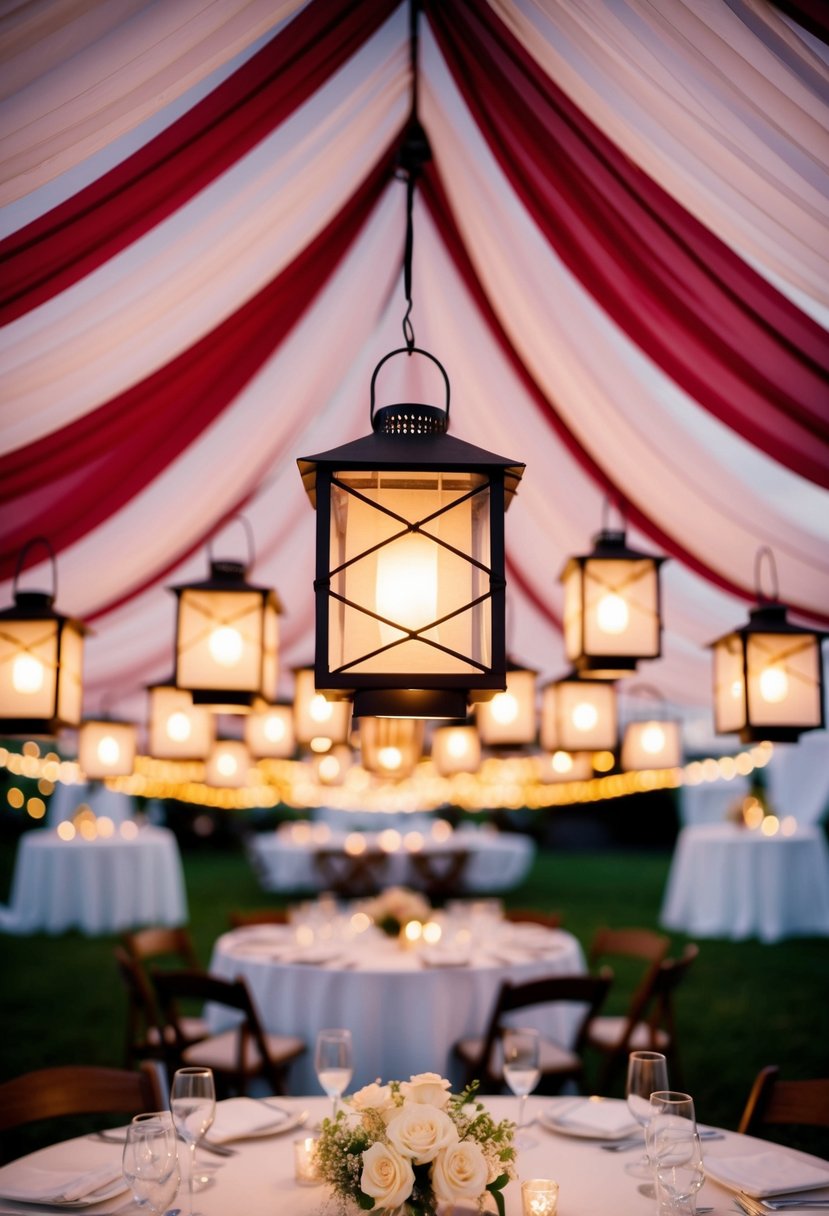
[[765, 552], [414, 154]]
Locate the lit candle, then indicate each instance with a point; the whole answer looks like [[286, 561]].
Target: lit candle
[[305, 1161], [540, 1197]]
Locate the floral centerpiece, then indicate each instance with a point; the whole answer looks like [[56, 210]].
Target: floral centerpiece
[[392, 908], [409, 1146]]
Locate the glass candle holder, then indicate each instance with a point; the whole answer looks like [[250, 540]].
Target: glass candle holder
[[306, 1172], [539, 1197]]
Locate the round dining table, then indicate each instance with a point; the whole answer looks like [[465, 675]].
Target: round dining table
[[258, 1179], [405, 1008]]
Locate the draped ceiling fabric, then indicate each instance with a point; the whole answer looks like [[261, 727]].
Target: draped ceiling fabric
[[621, 256]]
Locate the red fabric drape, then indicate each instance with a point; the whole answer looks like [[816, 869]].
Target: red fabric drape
[[60, 247], [72, 480], [436, 199], [733, 342]]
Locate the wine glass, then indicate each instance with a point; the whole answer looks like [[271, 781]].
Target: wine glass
[[150, 1161], [334, 1062], [647, 1072], [193, 1103], [521, 1071], [675, 1152]]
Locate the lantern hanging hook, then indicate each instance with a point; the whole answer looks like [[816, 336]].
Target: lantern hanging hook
[[21, 562], [248, 530], [610, 503], [765, 552]]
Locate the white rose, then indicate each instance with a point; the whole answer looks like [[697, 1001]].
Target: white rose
[[429, 1087], [420, 1131], [460, 1172], [373, 1097], [386, 1176]]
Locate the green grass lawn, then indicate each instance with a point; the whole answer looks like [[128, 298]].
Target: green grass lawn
[[744, 1004]]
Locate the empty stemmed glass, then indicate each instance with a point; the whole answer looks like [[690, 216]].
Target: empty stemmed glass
[[150, 1160], [334, 1062], [521, 1071], [193, 1103], [647, 1072], [675, 1152]]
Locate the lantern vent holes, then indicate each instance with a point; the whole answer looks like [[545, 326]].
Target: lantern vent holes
[[410, 419]]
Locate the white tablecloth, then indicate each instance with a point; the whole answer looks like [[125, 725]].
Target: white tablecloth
[[498, 861], [727, 881], [404, 1016], [259, 1179], [104, 885]]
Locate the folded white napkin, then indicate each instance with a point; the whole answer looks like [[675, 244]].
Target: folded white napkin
[[775, 1172], [237, 1118], [606, 1116], [30, 1184]]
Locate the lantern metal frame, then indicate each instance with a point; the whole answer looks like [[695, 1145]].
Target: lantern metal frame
[[30, 607]]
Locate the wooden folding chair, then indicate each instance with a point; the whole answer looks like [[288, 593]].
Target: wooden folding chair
[[162, 941], [147, 1036], [76, 1089], [239, 919], [530, 916], [439, 874], [772, 1101], [351, 874]]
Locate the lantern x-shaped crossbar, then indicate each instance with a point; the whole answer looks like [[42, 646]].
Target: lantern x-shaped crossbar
[[215, 620], [29, 648]]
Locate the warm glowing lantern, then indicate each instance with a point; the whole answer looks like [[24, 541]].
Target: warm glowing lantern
[[228, 764], [551, 767], [270, 732], [578, 715], [226, 640], [391, 747], [509, 719], [410, 564], [178, 729], [456, 749], [612, 608], [331, 767], [106, 748], [41, 654], [315, 716], [655, 743]]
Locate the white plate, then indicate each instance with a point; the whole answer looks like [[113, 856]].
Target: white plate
[[119, 1187], [274, 1126], [562, 1115]]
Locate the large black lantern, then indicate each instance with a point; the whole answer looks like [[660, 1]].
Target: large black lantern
[[410, 564], [612, 608]]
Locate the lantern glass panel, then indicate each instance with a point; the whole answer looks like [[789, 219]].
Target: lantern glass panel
[[70, 685], [415, 580], [563, 766], [179, 730], [729, 688], [315, 717], [106, 749], [509, 718], [271, 732], [228, 764], [578, 715], [783, 679], [651, 744], [28, 661], [621, 608], [572, 582], [456, 749], [270, 650], [391, 747], [219, 642]]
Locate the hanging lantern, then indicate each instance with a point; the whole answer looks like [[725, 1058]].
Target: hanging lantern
[[41, 654], [179, 730], [612, 608], [315, 716], [228, 765], [226, 639], [509, 719], [578, 715], [391, 747], [331, 767], [106, 748], [270, 732], [456, 749], [551, 767], [768, 674], [655, 743]]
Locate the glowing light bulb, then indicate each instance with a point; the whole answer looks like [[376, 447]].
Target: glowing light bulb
[[504, 708], [612, 613], [406, 589], [225, 645], [226, 764], [109, 752], [179, 727], [653, 739], [562, 762], [273, 728], [320, 709], [329, 768], [774, 684], [457, 744], [28, 674], [390, 758], [585, 716]]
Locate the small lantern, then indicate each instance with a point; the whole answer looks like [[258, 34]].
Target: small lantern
[[456, 749], [106, 748], [655, 743], [612, 608], [552, 767], [226, 639], [509, 719], [391, 747], [410, 563], [228, 764], [578, 715], [270, 732], [331, 767], [316, 716], [41, 655], [768, 676], [179, 730]]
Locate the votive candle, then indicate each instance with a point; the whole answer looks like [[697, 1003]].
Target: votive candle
[[305, 1161], [540, 1197]]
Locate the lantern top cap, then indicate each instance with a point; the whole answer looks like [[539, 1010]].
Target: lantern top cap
[[38, 606], [575, 677], [229, 575], [769, 616]]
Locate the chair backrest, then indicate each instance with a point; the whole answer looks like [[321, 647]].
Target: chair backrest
[[773, 1101], [347, 874], [143, 1012], [239, 918], [643, 944], [162, 941], [439, 873], [529, 916], [76, 1089]]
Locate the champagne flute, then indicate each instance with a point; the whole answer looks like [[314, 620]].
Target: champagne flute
[[193, 1103], [675, 1152], [150, 1160], [334, 1062], [521, 1071], [647, 1072]]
